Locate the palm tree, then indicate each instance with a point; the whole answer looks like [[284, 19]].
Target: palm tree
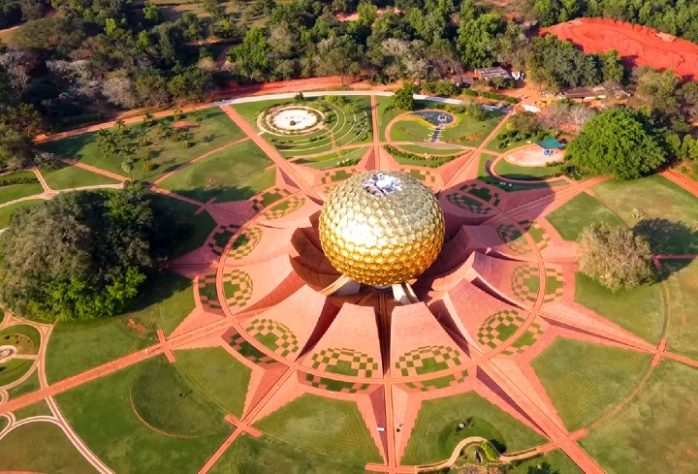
[[127, 165]]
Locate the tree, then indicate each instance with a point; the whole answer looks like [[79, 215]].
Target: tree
[[403, 98], [127, 165], [81, 255], [613, 70], [477, 35], [251, 58], [615, 257], [617, 142]]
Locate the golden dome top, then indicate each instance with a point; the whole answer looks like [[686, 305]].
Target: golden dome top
[[381, 228]]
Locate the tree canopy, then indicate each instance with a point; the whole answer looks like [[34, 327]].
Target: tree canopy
[[403, 99], [617, 142], [81, 255], [615, 257]]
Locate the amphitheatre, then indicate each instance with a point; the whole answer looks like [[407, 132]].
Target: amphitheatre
[[251, 353]]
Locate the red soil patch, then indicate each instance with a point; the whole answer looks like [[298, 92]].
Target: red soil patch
[[183, 124], [636, 44], [134, 326]]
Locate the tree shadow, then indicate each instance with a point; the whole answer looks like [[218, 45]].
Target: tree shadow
[[669, 237]]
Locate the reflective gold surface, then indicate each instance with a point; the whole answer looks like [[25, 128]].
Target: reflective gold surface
[[381, 228]]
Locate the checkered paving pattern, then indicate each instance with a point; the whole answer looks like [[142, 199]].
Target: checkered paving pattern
[[501, 326], [221, 237], [512, 236], [285, 208], [427, 359], [274, 335], [335, 176], [334, 385], [436, 383], [245, 243], [237, 287], [345, 361], [525, 283], [469, 204], [422, 175], [482, 192], [527, 339], [269, 197], [208, 294], [248, 351]]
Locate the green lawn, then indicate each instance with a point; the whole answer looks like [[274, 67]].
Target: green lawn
[[432, 150], [570, 219], [585, 380], [324, 427], [436, 433], [216, 375], [77, 346], [29, 385], [102, 414], [63, 176], [41, 447], [347, 157], [24, 337], [39, 408], [682, 331], [675, 210], [164, 399], [485, 177], [511, 171], [411, 128], [249, 455], [211, 128], [238, 172], [468, 131], [554, 462], [12, 192], [13, 369], [640, 310], [201, 224], [7, 211], [657, 431], [250, 110]]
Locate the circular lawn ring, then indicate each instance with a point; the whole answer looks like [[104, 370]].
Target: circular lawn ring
[[291, 120], [20, 339]]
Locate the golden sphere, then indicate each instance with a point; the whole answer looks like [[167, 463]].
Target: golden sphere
[[381, 228]]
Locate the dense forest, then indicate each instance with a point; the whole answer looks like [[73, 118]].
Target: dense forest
[[75, 61]]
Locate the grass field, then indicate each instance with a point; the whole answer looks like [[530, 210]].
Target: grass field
[[682, 331], [216, 375], [12, 192], [485, 177], [411, 128], [657, 431], [102, 414], [210, 128], [640, 310], [554, 462], [24, 337], [7, 211], [164, 400], [470, 132], [436, 433], [249, 455], [202, 224], [41, 447], [674, 210], [29, 385], [570, 219], [238, 172], [323, 426], [585, 380], [39, 408], [63, 176], [347, 157], [78, 346], [511, 171]]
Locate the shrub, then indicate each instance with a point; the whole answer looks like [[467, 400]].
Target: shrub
[[615, 257]]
